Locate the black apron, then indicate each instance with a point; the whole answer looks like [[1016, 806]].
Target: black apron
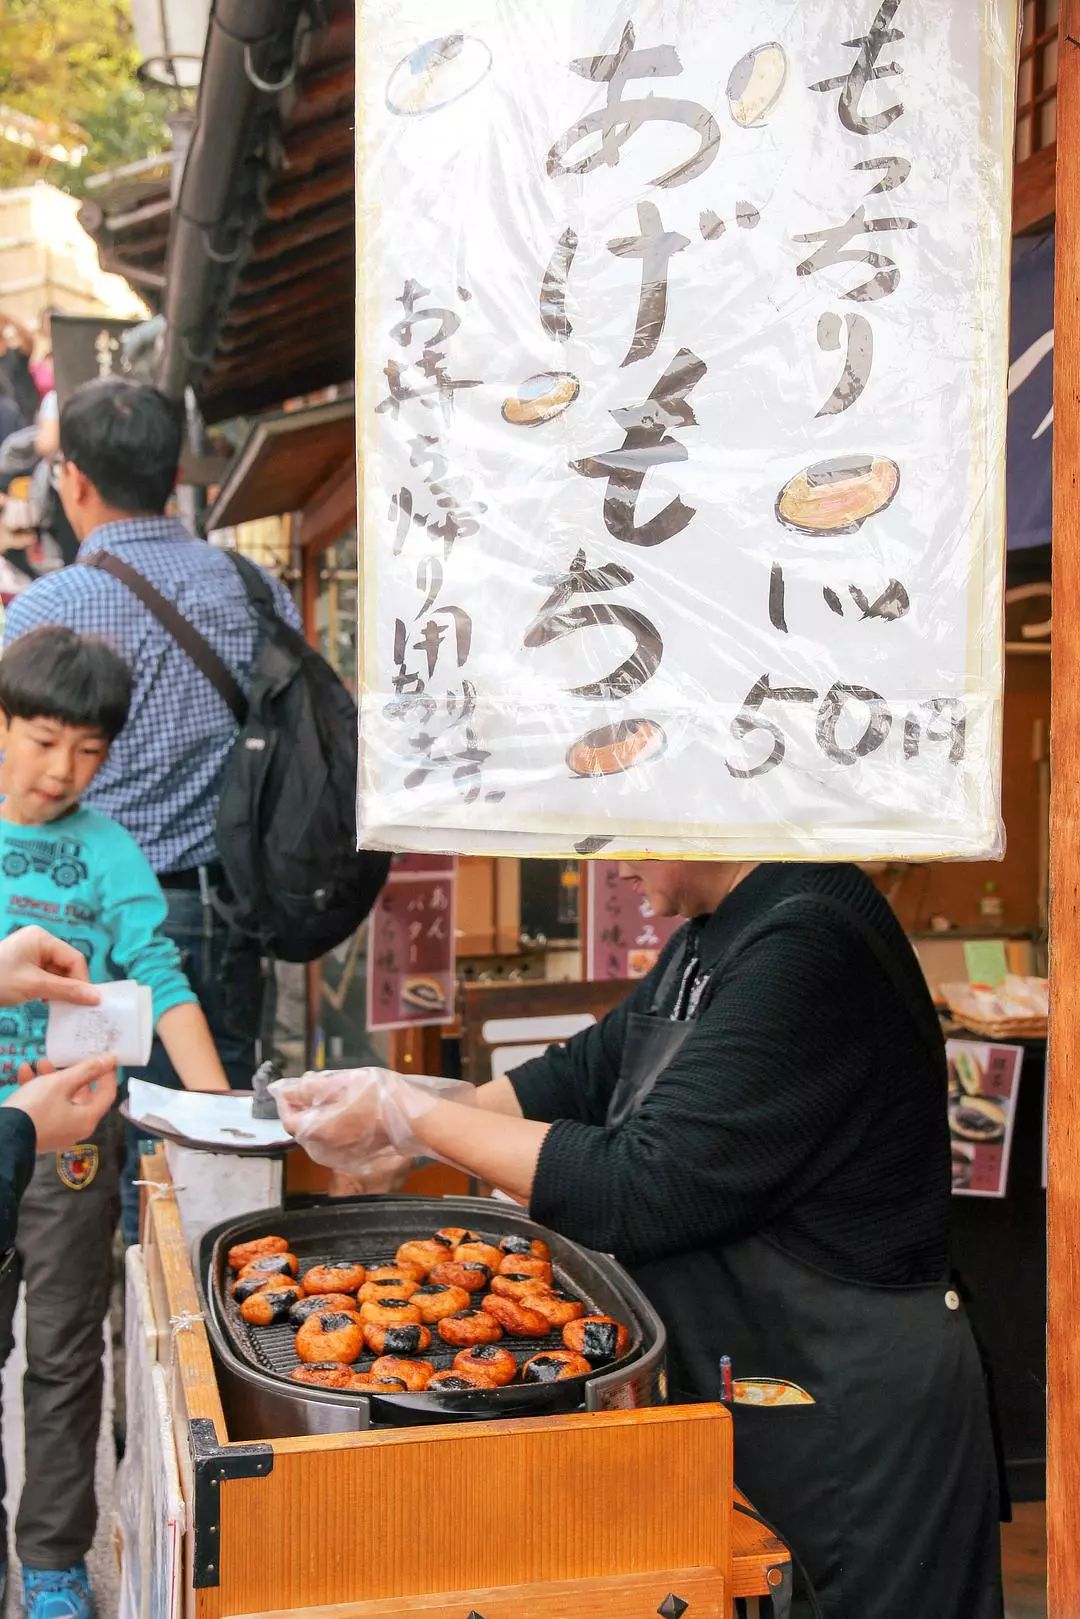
[[885, 1486]]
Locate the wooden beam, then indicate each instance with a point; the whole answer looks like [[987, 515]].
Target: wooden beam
[[282, 271], [324, 94], [317, 144], [270, 244], [1063, 1193], [224, 396], [334, 43], [1033, 191], [287, 201], [332, 512]]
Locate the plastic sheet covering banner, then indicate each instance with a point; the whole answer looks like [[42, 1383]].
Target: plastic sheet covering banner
[[683, 357]]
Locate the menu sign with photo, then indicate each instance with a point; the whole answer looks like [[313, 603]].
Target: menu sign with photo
[[681, 407], [625, 936], [983, 1084], [411, 946]]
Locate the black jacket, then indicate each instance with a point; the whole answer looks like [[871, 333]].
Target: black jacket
[[803, 1105], [18, 1145]]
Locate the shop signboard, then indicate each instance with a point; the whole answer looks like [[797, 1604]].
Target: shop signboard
[[86, 348], [681, 406], [983, 1083], [411, 945], [624, 936]]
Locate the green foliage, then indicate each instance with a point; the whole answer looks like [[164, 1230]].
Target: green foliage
[[72, 64]]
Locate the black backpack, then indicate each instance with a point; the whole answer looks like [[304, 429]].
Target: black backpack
[[286, 822]]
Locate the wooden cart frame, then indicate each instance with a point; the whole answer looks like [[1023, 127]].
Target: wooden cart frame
[[617, 1511]]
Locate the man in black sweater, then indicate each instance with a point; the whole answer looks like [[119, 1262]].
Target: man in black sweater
[[759, 1134]]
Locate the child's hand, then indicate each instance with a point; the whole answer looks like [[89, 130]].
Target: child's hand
[[68, 1106], [35, 966]]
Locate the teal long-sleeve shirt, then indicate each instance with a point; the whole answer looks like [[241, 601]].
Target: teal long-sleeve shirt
[[86, 880]]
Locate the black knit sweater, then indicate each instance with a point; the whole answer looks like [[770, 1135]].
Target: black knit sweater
[[803, 1105]]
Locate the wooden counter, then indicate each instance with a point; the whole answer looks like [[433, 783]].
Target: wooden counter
[[522, 1519]]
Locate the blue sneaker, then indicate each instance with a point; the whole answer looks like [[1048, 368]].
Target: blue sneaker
[[57, 1593]]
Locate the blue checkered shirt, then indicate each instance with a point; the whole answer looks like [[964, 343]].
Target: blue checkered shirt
[[163, 775]]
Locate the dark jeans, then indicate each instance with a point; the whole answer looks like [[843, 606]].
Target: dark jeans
[[231, 992]]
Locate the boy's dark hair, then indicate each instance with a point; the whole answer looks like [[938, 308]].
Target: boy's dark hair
[[52, 673], [125, 437]]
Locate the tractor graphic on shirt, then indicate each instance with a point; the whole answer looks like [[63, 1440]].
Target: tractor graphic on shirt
[[60, 859]]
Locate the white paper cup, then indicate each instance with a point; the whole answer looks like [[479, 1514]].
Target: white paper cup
[[122, 1022]]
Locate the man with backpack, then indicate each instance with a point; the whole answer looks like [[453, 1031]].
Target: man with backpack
[[236, 769]]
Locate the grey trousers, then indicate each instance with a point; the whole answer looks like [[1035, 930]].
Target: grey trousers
[[64, 1255]]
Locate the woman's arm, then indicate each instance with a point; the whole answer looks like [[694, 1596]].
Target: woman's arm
[[487, 1142], [743, 1115], [499, 1096]]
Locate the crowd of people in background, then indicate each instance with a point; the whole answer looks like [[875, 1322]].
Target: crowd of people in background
[[35, 536]]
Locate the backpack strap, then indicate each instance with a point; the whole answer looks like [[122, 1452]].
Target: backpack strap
[[256, 584], [182, 630]]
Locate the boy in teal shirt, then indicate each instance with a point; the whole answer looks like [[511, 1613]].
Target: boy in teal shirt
[[63, 699]]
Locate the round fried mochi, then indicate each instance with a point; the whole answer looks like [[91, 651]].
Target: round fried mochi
[[335, 1335], [472, 1277], [424, 1254], [454, 1382], [515, 1317], [269, 1306], [271, 1265], [320, 1301], [469, 1327], [525, 1265], [557, 1308], [326, 1374], [415, 1374], [411, 1275], [387, 1287], [554, 1366], [389, 1312], [517, 1287], [478, 1253], [366, 1383], [408, 1338], [244, 1252], [245, 1286], [455, 1235], [334, 1279], [495, 1362], [435, 1301], [600, 1338], [532, 1246]]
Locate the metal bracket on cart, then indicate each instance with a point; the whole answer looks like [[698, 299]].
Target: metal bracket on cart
[[212, 1465]]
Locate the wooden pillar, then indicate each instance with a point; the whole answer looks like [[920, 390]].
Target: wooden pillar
[[1063, 1197]]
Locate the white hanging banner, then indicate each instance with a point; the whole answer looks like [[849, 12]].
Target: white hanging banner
[[681, 408]]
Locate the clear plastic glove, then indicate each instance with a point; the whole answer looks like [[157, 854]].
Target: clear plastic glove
[[387, 1172], [346, 1117]]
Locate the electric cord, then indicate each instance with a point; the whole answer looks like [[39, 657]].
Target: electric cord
[[797, 1564]]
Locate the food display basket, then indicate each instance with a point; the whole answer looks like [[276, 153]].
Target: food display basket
[[254, 1363]]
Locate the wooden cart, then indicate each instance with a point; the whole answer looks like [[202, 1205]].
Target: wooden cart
[[625, 1514]]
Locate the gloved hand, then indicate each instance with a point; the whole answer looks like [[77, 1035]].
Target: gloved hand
[[345, 1117], [386, 1172]]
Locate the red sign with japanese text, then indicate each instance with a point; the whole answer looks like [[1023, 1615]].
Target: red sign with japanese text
[[412, 945], [624, 936]]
